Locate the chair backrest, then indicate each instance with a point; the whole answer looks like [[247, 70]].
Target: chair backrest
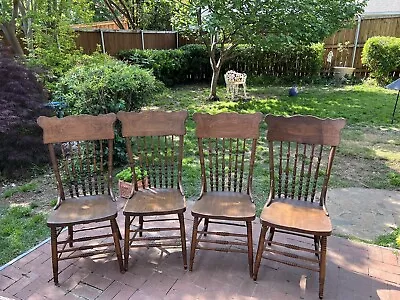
[[227, 145], [154, 141], [301, 152], [84, 145]]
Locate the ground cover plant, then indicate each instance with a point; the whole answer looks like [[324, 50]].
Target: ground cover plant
[[369, 154]]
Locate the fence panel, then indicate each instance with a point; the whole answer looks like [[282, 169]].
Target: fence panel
[[159, 40]]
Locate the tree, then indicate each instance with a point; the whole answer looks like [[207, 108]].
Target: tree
[[140, 14], [222, 25], [41, 23]]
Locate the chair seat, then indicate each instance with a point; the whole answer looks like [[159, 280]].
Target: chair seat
[[299, 216], [155, 201], [82, 210], [225, 205]]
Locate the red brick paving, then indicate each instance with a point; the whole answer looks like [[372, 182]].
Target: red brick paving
[[354, 271]]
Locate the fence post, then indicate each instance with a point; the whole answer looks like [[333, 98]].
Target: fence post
[[356, 41], [177, 40], [141, 31], [103, 45]]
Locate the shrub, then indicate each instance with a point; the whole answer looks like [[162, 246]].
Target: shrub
[[382, 56], [167, 65], [21, 103], [191, 63], [100, 84]]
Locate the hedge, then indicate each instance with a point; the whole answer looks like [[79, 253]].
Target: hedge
[[190, 63], [381, 54]]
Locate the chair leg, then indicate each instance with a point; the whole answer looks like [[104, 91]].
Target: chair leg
[[140, 226], [322, 266], [316, 244], [271, 235], [205, 228], [183, 239], [54, 254], [260, 251], [115, 230], [71, 235], [250, 246], [127, 241], [194, 242]]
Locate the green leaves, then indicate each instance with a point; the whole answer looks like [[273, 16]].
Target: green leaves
[[382, 56]]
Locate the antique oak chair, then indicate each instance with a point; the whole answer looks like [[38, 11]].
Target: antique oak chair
[[227, 145], [83, 171], [154, 141], [301, 152]]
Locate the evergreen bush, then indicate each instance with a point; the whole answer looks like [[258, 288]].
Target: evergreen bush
[[381, 54]]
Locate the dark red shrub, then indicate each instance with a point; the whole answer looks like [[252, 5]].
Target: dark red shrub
[[21, 103]]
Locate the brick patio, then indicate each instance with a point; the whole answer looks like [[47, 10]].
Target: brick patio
[[354, 271]]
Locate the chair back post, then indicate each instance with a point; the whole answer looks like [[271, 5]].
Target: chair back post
[[60, 187], [110, 168], [181, 142], [322, 200]]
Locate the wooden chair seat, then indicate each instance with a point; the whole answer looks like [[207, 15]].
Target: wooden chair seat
[[303, 217], [155, 201], [225, 205], [83, 210]]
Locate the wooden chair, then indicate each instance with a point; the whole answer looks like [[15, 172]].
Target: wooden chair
[[227, 145], [83, 171], [154, 141], [301, 152]]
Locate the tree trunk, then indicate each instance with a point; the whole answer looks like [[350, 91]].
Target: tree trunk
[[213, 89], [11, 36]]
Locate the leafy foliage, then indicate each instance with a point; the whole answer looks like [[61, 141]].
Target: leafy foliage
[[382, 56], [190, 63], [101, 84], [21, 103], [126, 174]]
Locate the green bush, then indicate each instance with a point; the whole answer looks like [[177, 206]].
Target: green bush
[[381, 54], [101, 84], [191, 63]]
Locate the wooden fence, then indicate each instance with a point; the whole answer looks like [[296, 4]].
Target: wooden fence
[[367, 26]]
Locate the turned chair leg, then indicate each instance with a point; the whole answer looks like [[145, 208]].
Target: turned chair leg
[[205, 228], [322, 266], [260, 251], [250, 247], [194, 242], [183, 239], [127, 241], [71, 236], [316, 244], [271, 235], [54, 254], [140, 226]]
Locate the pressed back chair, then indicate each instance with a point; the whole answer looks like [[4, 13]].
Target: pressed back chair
[[301, 153], [227, 145], [154, 141], [83, 171]]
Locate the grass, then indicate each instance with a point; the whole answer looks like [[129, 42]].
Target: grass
[[390, 240], [19, 189], [20, 229]]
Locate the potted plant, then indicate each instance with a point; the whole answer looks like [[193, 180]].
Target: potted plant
[[125, 183], [342, 71]]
